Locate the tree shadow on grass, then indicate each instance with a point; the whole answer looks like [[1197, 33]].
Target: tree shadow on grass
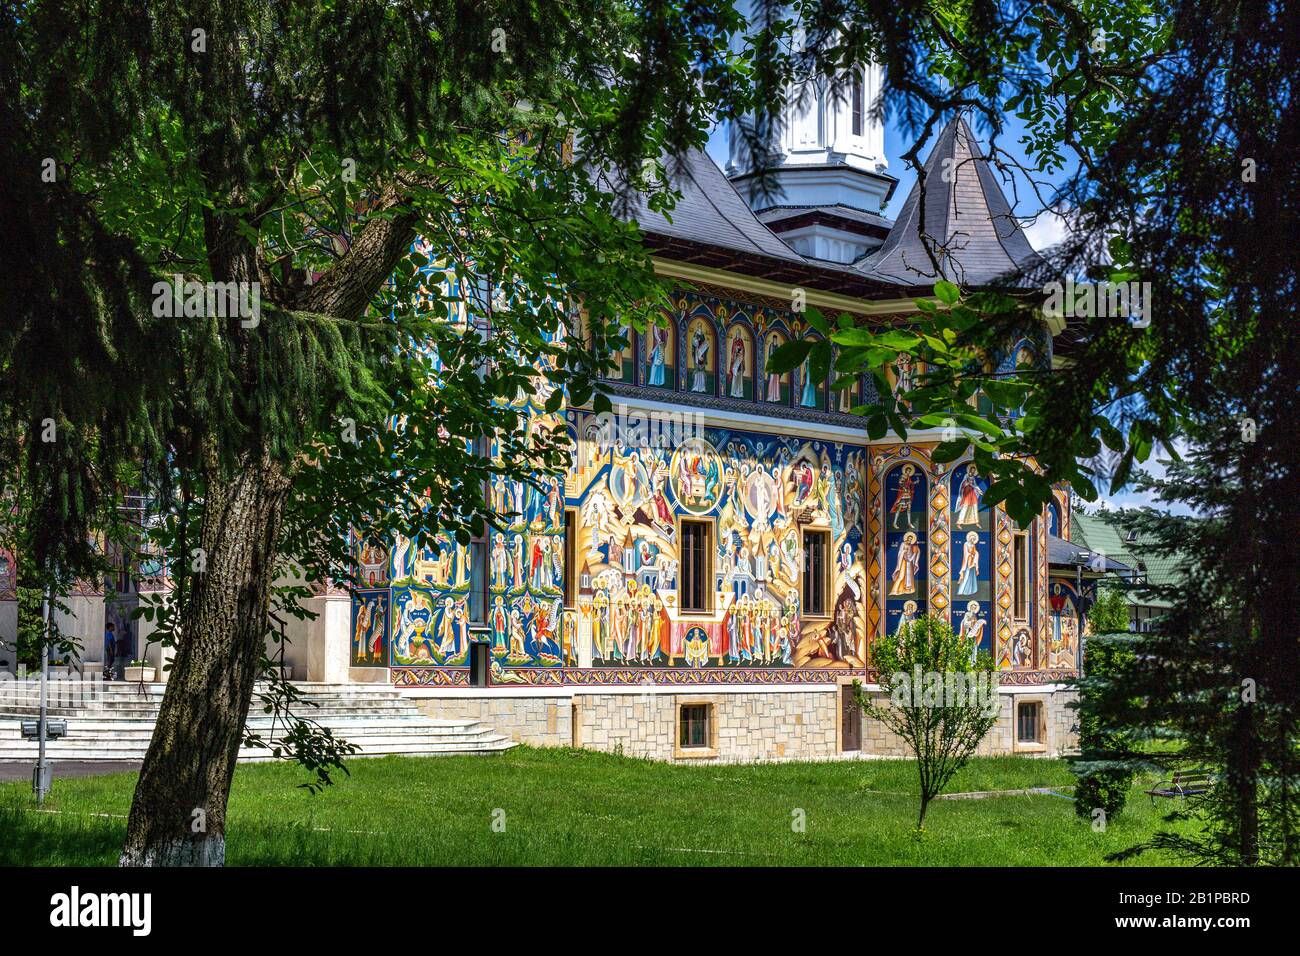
[[37, 838]]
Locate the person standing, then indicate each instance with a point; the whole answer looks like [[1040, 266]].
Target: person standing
[[110, 650]]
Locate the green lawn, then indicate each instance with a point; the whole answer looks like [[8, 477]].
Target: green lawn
[[568, 807]]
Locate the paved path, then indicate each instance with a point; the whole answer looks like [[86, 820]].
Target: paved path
[[22, 769]]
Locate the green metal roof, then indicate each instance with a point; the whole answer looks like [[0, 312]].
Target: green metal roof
[[1097, 533]]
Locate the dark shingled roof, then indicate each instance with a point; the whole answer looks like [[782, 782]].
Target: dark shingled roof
[[968, 217], [712, 225], [711, 210]]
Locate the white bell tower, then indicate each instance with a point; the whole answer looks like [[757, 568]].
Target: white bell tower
[[827, 166]]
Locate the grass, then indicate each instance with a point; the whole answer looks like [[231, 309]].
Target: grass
[[581, 808]]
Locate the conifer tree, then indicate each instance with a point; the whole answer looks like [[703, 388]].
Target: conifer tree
[[292, 154]]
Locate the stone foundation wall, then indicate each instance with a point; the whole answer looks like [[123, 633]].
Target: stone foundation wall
[[1058, 723], [762, 725], [537, 721], [753, 725]]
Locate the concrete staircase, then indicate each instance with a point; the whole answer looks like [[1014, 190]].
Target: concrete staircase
[[115, 721]]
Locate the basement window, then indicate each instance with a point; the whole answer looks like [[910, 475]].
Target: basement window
[[695, 726], [1029, 722]]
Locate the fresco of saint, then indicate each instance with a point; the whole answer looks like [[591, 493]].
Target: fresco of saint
[[774, 380], [968, 576], [701, 362], [968, 499], [972, 626], [808, 394], [657, 343], [902, 506], [907, 567]]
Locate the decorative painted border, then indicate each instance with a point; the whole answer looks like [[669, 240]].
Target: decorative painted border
[[1002, 587], [721, 403], [1042, 617], [881, 459], [623, 677], [940, 563]]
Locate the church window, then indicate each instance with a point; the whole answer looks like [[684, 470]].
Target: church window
[[694, 588], [858, 103], [815, 577], [570, 555]]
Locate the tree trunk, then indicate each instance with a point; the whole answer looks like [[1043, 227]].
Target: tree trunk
[[178, 816]]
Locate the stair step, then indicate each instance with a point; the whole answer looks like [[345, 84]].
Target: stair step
[[115, 722]]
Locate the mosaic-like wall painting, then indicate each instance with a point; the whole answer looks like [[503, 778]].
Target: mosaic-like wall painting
[[369, 634], [1063, 604], [700, 375], [906, 535], [739, 372], [971, 588], [776, 388], [659, 356], [758, 494]]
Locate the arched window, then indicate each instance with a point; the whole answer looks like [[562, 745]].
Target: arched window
[[857, 103]]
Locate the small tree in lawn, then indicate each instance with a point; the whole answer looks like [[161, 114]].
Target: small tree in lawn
[[943, 698]]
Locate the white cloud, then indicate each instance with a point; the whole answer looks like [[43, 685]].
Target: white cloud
[[1046, 229]]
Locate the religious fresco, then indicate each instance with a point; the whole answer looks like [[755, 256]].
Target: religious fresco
[[659, 357], [372, 563], [369, 632], [929, 519], [1063, 604], [700, 374], [776, 388], [906, 536], [758, 492], [971, 591], [931, 545], [739, 370]]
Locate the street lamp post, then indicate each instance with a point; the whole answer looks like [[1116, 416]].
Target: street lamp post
[[41, 776]]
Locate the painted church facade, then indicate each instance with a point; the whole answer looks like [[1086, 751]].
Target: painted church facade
[[707, 577]]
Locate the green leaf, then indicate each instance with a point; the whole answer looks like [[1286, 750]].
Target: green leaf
[[789, 356], [946, 292], [948, 451], [817, 320]]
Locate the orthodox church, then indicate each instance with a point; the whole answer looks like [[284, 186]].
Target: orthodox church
[[706, 579]]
